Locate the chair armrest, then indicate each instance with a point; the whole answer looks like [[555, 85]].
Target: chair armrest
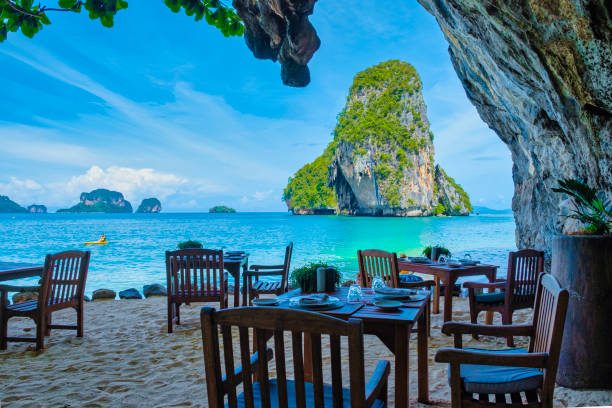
[[10, 288], [485, 285], [422, 284], [258, 267], [377, 382], [227, 385], [262, 273], [487, 330], [458, 356]]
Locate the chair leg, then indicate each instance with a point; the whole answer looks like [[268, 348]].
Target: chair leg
[[40, 331], [47, 323], [170, 316], [3, 331], [474, 319], [177, 309], [79, 311], [507, 320]]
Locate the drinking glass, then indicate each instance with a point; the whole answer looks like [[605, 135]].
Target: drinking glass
[[378, 283], [442, 259], [354, 293]]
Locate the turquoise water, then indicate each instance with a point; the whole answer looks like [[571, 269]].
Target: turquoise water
[[135, 254]]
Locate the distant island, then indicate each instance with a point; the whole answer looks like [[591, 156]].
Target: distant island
[[149, 205], [486, 210], [221, 209], [37, 208], [381, 159], [9, 206], [100, 201]]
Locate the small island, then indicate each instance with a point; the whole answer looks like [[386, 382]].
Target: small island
[[149, 205], [221, 209], [37, 208], [100, 201], [9, 206]]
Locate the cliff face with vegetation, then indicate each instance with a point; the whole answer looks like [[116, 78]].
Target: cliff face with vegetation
[[539, 74], [101, 200], [149, 205], [381, 160], [9, 206]]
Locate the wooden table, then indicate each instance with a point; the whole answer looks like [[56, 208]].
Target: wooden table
[[19, 270], [234, 265], [393, 328], [449, 277]]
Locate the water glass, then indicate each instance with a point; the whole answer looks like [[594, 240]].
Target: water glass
[[378, 283], [442, 259], [354, 294]]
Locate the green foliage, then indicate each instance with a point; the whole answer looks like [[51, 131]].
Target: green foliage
[[439, 209], [590, 206], [465, 198], [308, 189], [189, 244], [221, 209], [30, 17], [99, 207], [441, 251], [305, 276]]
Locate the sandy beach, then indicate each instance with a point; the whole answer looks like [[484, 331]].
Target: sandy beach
[[127, 359]]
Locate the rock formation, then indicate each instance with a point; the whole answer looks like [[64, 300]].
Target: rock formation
[[540, 75], [101, 200], [381, 161], [9, 206], [37, 208], [221, 209], [149, 205]]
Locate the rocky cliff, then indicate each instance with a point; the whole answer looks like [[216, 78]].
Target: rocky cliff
[[101, 200], [381, 161], [540, 75], [9, 206], [37, 208], [149, 205]]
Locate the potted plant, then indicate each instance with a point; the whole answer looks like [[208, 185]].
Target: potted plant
[[305, 277], [429, 252], [189, 244], [582, 262]]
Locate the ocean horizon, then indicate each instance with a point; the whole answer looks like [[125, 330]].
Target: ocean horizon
[[137, 242]]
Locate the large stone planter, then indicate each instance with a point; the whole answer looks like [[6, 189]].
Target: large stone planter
[[583, 265]]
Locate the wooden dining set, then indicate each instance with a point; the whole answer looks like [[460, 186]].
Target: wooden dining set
[[294, 338]]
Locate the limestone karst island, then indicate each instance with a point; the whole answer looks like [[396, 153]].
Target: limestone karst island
[[302, 203]]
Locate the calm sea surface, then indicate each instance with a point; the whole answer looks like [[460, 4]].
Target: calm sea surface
[[135, 254]]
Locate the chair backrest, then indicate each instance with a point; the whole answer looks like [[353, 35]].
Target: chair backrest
[[195, 272], [286, 267], [523, 269], [373, 263], [63, 280], [548, 323], [272, 323]]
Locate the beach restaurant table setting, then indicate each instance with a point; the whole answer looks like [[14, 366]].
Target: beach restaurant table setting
[[234, 262], [390, 314], [448, 272], [19, 270]]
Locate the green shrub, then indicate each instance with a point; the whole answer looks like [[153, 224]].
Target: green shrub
[[443, 251], [439, 209], [190, 244], [305, 277]]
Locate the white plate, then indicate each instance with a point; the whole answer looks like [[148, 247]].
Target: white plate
[[330, 301], [387, 304], [265, 302]]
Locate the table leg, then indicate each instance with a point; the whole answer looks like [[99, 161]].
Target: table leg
[[402, 366], [492, 277], [423, 368], [236, 274], [448, 298], [436, 295]]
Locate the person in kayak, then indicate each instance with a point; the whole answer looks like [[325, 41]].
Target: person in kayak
[[102, 238]]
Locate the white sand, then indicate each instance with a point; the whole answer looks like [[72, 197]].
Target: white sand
[[127, 359]]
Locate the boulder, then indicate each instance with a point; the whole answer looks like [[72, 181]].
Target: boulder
[[154, 289], [131, 293], [103, 294], [24, 296]]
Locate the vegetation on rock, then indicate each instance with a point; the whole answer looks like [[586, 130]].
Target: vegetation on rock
[[100, 200], [221, 209], [9, 206], [189, 244]]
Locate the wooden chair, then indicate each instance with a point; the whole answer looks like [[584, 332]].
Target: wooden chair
[[376, 263], [254, 289], [62, 286], [283, 392], [528, 376], [518, 289], [194, 275]]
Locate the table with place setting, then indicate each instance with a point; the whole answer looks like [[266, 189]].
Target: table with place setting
[[388, 313], [448, 272], [236, 262]]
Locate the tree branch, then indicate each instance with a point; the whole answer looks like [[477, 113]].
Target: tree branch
[[40, 11]]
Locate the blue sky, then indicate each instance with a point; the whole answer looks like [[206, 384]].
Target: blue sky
[[160, 105]]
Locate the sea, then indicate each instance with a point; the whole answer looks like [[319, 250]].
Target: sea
[[137, 242]]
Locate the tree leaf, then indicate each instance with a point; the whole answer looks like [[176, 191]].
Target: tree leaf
[[67, 3], [44, 19]]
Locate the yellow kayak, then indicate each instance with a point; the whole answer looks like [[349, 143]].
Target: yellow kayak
[[96, 243]]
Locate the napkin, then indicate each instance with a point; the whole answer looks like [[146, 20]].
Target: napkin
[[313, 299], [394, 291]]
